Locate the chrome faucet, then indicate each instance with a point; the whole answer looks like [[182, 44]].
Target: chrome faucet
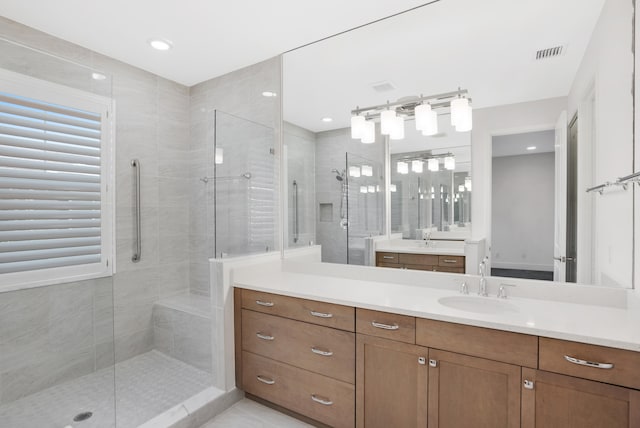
[[464, 288], [482, 289], [502, 291]]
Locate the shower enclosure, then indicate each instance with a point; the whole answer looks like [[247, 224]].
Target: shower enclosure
[[246, 182]]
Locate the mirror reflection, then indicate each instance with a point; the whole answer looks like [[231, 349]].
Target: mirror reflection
[[567, 84]]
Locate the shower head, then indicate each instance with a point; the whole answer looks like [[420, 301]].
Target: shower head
[[339, 175]]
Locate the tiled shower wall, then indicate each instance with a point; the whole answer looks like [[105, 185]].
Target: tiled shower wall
[[152, 124], [331, 148], [239, 94]]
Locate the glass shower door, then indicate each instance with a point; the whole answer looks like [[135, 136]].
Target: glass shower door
[[246, 185]]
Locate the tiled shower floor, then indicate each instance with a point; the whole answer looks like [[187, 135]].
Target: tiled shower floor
[[147, 385]]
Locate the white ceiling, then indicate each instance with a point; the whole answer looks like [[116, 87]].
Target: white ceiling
[[487, 47], [516, 144], [210, 38]]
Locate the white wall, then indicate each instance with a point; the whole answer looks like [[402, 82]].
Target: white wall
[[502, 120], [523, 212], [606, 72]]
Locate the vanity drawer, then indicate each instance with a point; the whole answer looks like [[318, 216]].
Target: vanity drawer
[[451, 261], [421, 267], [505, 346], [383, 324], [418, 259], [386, 257], [390, 265], [318, 397], [621, 367], [448, 269], [319, 349], [326, 314]]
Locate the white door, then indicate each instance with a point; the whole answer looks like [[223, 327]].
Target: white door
[[560, 222]]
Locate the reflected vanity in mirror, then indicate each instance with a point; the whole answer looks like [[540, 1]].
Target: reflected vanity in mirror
[[567, 83]]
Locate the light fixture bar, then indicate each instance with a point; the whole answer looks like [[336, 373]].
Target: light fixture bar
[[438, 100]]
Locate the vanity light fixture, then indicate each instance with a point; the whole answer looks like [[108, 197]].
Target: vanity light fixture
[[403, 167], [354, 171], [393, 188], [219, 156], [416, 166], [461, 188], [433, 165], [367, 170], [363, 189], [269, 94], [531, 148], [467, 183], [377, 187], [450, 163], [160, 44], [369, 133], [424, 109], [372, 189]]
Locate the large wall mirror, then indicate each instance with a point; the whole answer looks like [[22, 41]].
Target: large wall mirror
[[550, 85]]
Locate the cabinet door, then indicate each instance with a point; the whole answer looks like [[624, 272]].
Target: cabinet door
[[472, 392], [391, 384], [551, 400]]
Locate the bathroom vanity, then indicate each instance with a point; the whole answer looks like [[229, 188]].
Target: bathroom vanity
[[436, 256], [348, 352]]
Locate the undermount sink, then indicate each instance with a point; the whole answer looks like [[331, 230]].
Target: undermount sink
[[480, 305]]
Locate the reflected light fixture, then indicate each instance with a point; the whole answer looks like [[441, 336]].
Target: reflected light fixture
[[377, 187], [269, 94], [458, 108], [372, 189], [397, 133], [450, 163], [461, 188], [363, 189], [426, 120], [467, 183], [416, 166], [367, 170], [465, 121], [354, 171], [369, 133], [393, 187], [403, 168], [357, 126], [387, 122], [433, 165], [219, 156]]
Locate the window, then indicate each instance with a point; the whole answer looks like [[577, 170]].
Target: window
[[56, 206]]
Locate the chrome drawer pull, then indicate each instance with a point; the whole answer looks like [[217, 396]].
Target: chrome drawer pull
[[320, 314], [593, 364], [388, 257], [385, 326], [450, 261], [321, 352], [262, 303], [266, 380], [264, 336], [321, 400]]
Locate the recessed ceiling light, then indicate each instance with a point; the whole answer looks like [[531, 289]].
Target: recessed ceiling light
[[160, 44], [327, 119], [98, 76], [269, 94], [531, 148]]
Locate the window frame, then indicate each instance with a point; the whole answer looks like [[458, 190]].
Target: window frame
[[53, 93]]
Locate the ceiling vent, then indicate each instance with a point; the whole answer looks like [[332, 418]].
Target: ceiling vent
[[383, 86], [549, 52]]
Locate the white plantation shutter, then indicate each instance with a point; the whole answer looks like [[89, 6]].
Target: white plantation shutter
[[55, 215]]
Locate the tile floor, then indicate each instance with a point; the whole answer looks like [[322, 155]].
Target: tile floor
[[146, 386], [249, 414]]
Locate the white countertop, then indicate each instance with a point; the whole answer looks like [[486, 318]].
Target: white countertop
[[616, 325]]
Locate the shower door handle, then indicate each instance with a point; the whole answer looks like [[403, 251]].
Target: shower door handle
[[135, 163], [295, 212]]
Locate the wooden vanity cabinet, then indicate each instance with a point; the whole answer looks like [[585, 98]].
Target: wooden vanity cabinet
[[430, 262], [554, 400], [391, 383]]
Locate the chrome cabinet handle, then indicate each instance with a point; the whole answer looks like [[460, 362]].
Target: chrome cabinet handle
[[449, 261], [266, 380], [321, 400], [264, 336], [320, 314], [596, 365], [321, 352], [385, 326], [263, 303], [388, 257]]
